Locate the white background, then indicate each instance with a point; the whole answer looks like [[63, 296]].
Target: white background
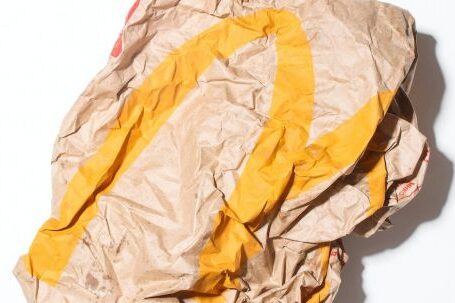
[[50, 50]]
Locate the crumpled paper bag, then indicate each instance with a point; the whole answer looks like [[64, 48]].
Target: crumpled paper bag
[[226, 149]]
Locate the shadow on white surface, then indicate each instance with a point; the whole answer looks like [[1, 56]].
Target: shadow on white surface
[[426, 96]]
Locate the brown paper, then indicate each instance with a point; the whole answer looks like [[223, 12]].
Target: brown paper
[[225, 151]]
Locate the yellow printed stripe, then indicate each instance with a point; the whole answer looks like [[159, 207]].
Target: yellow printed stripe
[[142, 116], [277, 162], [277, 157], [322, 293], [270, 165], [340, 148], [282, 165], [376, 177]]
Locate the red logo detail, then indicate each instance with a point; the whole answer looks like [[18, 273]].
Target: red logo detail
[[118, 47], [407, 190]]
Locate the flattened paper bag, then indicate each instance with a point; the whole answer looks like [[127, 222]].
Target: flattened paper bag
[[226, 149]]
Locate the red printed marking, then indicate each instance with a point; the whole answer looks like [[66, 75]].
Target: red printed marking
[[118, 47], [408, 190], [131, 11]]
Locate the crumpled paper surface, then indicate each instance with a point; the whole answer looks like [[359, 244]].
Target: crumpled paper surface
[[226, 149]]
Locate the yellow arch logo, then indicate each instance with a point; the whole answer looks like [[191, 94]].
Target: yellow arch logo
[[281, 166]]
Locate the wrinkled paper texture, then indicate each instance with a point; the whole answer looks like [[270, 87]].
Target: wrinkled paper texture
[[226, 149]]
